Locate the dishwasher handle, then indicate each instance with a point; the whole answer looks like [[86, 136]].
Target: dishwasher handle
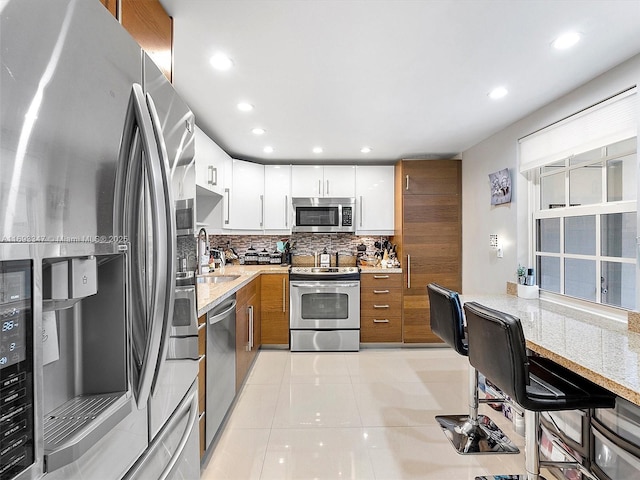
[[220, 316]]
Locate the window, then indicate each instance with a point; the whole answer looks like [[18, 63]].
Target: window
[[585, 225]]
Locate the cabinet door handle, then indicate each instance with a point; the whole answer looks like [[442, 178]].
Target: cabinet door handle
[[361, 210], [384, 320], [319, 188], [381, 291], [408, 271], [213, 175], [407, 179], [381, 306], [261, 210], [228, 194], [284, 295], [327, 187], [381, 276], [250, 336]]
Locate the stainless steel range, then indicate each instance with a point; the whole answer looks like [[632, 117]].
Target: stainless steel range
[[325, 309]]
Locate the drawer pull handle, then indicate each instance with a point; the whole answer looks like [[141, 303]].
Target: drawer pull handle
[[381, 276], [386, 320], [381, 291], [381, 306]]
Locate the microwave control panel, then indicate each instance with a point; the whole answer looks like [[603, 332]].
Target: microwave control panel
[[16, 368], [347, 216]]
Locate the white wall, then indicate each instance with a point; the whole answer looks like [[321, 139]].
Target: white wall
[[482, 271]]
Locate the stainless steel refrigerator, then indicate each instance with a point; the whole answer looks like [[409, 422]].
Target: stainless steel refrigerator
[[91, 133]]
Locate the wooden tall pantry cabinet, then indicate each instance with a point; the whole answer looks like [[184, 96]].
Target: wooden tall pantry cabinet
[[428, 232]]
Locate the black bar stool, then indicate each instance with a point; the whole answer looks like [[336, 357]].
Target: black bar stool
[[497, 348], [470, 433]]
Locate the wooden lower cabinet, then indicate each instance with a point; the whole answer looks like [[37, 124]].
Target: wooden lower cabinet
[[380, 307], [275, 309], [248, 328], [429, 237]]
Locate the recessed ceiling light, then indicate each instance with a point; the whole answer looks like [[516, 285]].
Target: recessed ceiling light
[[566, 40], [258, 131], [317, 149], [267, 149], [221, 62], [245, 107], [498, 92], [365, 149]]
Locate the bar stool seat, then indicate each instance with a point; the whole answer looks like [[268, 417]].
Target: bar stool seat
[[497, 348], [472, 433]]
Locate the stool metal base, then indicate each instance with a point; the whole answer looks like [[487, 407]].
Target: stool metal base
[[467, 438]]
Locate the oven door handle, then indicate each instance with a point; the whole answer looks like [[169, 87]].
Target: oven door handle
[[325, 284]]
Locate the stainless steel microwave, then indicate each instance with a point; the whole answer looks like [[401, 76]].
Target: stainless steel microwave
[[324, 215], [185, 217]]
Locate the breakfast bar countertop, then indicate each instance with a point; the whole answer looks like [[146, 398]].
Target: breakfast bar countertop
[[598, 348]]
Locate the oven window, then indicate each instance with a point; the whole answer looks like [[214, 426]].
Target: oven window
[[317, 216], [325, 306]]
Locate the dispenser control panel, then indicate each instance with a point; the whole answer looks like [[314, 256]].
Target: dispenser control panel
[[16, 368]]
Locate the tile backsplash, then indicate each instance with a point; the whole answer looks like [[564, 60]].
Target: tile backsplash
[[301, 244]]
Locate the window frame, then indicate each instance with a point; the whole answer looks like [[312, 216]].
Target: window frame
[[604, 207]]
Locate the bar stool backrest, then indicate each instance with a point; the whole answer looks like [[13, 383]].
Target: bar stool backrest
[[446, 319], [497, 349]]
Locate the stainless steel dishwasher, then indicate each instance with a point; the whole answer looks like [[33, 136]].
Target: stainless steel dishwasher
[[221, 365]]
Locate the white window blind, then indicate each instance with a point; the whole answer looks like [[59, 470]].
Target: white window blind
[[607, 122]]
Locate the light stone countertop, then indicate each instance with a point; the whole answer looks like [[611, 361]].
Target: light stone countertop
[[598, 348], [208, 295]]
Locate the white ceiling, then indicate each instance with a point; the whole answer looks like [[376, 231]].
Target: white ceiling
[[409, 78]]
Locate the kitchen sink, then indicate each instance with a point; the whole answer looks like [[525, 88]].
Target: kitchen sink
[[217, 278]]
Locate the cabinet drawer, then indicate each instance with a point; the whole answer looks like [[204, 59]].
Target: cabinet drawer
[[380, 280], [381, 328], [376, 305]]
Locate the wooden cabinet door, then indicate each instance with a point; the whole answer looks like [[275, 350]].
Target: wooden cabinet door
[[275, 309], [431, 177], [149, 24], [430, 237], [247, 307]]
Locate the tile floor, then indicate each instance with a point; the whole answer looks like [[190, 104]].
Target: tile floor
[[364, 415]]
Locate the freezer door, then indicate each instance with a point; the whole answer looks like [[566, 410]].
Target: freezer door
[[174, 454], [67, 69]]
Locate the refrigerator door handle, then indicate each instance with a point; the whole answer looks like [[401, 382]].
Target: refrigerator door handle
[[166, 282], [147, 334], [190, 405]]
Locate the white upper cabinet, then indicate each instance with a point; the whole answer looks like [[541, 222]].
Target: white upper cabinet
[[245, 209], [277, 197], [210, 161], [318, 181], [374, 200]]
